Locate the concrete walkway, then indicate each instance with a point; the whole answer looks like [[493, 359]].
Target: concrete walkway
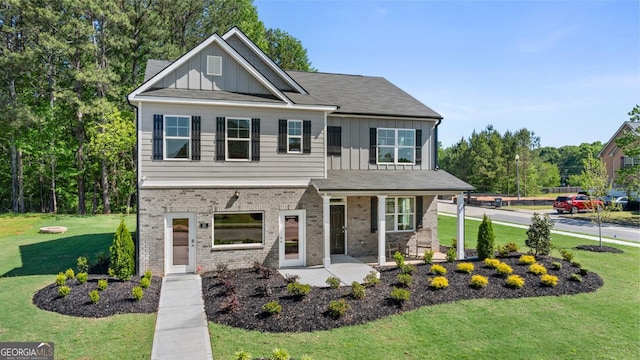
[[346, 268], [181, 326]]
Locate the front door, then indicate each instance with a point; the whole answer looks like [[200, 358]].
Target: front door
[[292, 238], [337, 229], [180, 243]]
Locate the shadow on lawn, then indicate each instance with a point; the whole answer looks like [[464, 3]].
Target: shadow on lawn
[[54, 256]]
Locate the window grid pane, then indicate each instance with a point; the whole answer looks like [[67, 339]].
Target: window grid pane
[[238, 139], [396, 146], [399, 213], [177, 131]]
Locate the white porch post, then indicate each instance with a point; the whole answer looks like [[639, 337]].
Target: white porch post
[[460, 213], [326, 261], [382, 230]]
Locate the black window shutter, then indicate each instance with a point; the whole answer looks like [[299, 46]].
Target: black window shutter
[[419, 212], [195, 138], [334, 140], [374, 214], [282, 136], [306, 137], [418, 147], [255, 139], [220, 136], [373, 145], [157, 137]]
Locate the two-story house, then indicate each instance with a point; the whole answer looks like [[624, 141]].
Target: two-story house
[[242, 162], [613, 157]]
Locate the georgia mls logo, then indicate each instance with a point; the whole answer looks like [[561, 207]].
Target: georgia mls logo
[[26, 351]]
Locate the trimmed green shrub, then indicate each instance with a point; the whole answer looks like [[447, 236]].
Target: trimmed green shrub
[[503, 250], [337, 308], [515, 282], [479, 281], [145, 282], [82, 277], [398, 258], [137, 293], [427, 257], [404, 279], [451, 255], [371, 279], [70, 274], [439, 282], [280, 354], [358, 291], [122, 254], [102, 284], [408, 269], [527, 260], [583, 271], [576, 263], [297, 289], [147, 274], [64, 290], [94, 296], [400, 295], [549, 280], [333, 282], [438, 269], [575, 277], [61, 279], [513, 247], [504, 269], [566, 255], [465, 267], [491, 263], [539, 235], [241, 355], [272, 308], [556, 265], [537, 269], [486, 239], [82, 264]]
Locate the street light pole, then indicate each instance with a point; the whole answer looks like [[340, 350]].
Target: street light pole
[[518, 174]]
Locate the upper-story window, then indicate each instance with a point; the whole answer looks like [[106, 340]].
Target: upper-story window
[[177, 130], [238, 139], [628, 161], [294, 136], [396, 146]]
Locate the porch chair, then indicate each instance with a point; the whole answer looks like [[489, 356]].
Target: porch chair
[[423, 240]]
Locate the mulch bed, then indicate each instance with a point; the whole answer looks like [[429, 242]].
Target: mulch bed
[[115, 299], [598, 248], [310, 312]]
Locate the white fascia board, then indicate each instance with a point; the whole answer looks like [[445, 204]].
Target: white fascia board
[[340, 193], [152, 184], [288, 79], [188, 101], [383, 117], [139, 139]]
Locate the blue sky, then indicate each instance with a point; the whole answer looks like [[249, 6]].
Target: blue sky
[[567, 70]]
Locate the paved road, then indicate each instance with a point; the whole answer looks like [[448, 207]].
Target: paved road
[[523, 217]]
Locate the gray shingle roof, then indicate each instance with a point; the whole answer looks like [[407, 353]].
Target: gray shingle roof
[[211, 95], [154, 67], [390, 180]]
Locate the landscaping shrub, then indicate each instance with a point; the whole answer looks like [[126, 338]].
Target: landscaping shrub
[[272, 308], [264, 290], [575, 277], [333, 282], [556, 265], [479, 281], [229, 285], [583, 271], [439, 282], [515, 281], [147, 274], [82, 277], [232, 303], [122, 260], [358, 291], [82, 264], [438, 269], [451, 255], [539, 235], [503, 250], [427, 257], [549, 280], [400, 295], [465, 267], [491, 263], [61, 279], [408, 269], [504, 269], [102, 284], [137, 293], [94, 296], [241, 355], [404, 279], [486, 239], [513, 247], [537, 269], [566, 255], [292, 278], [64, 290], [576, 263], [297, 289], [280, 354], [398, 258], [527, 260], [337, 308], [145, 282], [70, 274], [371, 279]]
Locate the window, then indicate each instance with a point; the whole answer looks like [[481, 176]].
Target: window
[[177, 137], [238, 228], [396, 146], [399, 213], [294, 136], [238, 139], [628, 161]]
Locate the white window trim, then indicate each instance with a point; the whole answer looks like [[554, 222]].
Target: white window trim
[[165, 138], [295, 136], [396, 213], [226, 139], [236, 246], [396, 147]]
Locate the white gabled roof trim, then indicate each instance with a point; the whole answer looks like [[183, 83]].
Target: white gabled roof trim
[[190, 101], [228, 49], [613, 137], [288, 79]]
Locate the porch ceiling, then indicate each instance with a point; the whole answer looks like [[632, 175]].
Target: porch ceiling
[[371, 182]]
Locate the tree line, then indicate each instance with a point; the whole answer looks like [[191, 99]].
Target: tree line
[[67, 133]]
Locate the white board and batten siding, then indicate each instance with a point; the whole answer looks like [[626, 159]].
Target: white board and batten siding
[[355, 143], [272, 165]]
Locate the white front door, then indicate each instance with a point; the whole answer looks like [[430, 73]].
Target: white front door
[[292, 238], [180, 243]]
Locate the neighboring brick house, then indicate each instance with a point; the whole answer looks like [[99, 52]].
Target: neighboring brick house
[[613, 157], [242, 162]]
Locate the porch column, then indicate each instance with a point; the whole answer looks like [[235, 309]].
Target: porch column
[[382, 230], [460, 213], [326, 225]]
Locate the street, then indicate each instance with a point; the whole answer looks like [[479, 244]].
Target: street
[[567, 224]]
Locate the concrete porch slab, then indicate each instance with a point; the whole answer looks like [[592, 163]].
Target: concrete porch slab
[[348, 269]]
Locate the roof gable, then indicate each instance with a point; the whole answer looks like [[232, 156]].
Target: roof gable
[[626, 126]]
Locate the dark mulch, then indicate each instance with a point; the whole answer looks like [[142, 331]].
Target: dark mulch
[[309, 313], [115, 299], [597, 248]]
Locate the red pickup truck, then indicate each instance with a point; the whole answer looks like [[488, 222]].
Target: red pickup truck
[[575, 203]]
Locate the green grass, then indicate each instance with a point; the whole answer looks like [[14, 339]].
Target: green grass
[[29, 261], [604, 324]]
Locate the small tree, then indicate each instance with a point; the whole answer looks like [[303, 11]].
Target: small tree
[[539, 235], [122, 259], [596, 181], [486, 239]]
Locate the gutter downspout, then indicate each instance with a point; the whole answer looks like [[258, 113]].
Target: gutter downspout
[[137, 243], [436, 166]]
